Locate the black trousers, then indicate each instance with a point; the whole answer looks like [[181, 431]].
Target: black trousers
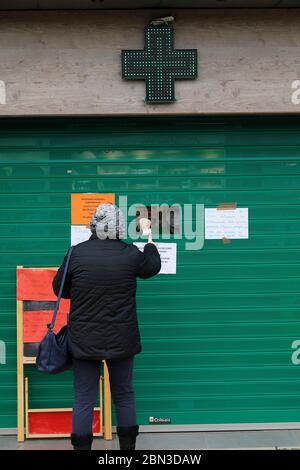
[[86, 391]]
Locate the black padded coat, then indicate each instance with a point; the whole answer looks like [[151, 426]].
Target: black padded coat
[[101, 283]]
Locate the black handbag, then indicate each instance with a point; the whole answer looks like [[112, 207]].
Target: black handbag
[[53, 353]]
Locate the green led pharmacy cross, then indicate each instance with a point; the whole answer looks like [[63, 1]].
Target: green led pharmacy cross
[[159, 64]]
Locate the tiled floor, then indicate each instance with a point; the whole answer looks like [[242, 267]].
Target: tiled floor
[[175, 441]]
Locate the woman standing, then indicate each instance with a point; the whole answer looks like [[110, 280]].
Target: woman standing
[[101, 283]]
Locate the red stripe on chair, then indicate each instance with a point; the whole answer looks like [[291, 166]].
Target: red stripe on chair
[[55, 422]]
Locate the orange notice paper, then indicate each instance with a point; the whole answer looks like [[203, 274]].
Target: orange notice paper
[[35, 284], [35, 324], [83, 206]]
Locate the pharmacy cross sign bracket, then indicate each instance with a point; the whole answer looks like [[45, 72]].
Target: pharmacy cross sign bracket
[[159, 64]]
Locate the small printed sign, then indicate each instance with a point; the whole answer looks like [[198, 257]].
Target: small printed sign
[[168, 255]]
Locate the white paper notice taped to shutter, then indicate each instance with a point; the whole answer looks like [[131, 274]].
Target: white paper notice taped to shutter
[[229, 224], [168, 254], [79, 234]]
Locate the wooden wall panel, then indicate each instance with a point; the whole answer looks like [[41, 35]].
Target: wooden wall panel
[[68, 63]]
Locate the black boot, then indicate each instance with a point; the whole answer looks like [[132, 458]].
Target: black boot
[[82, 442], [127, 436]]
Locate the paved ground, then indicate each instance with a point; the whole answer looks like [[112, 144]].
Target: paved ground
[[175, 440]]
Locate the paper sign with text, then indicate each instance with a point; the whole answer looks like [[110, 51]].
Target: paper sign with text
[[168, 254], [84, 205], [229, 224]]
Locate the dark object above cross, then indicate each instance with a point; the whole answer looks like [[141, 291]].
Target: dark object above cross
[[159, 64]]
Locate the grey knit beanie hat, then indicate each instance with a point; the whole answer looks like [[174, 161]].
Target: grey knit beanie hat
[[107, 222]]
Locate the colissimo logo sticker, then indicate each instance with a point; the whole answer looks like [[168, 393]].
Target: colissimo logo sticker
[[153, 420]]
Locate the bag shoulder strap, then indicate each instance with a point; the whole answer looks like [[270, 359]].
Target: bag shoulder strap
[[51, 325]]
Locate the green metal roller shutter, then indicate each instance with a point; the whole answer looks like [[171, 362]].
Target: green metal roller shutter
[[217, 336]]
